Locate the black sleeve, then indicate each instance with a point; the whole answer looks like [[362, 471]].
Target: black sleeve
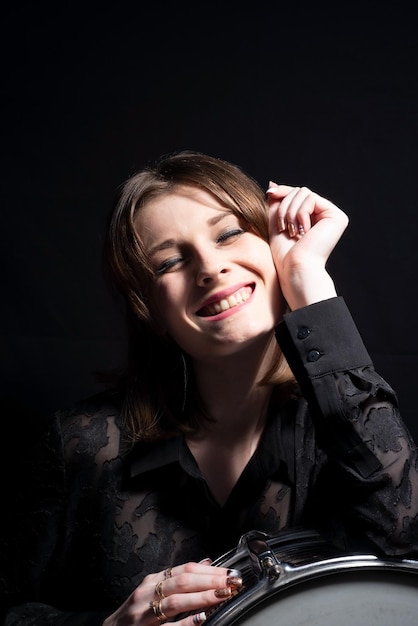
[[31, 546], [357, 420]]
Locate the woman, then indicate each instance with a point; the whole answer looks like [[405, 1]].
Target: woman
[[250, 403]]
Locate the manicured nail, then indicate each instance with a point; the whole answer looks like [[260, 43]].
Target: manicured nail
[[206, 561], [281, 225], [199, 618], [225, 592], [233, 572], [234, 581], [291, 229]]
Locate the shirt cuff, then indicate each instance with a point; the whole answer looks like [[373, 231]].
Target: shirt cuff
[[321, 338]]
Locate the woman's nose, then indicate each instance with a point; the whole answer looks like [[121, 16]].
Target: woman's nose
[[209, 269]]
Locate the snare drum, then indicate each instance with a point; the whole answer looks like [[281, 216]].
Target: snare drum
[[297, 579]]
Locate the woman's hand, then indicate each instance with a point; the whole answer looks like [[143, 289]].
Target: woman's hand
[[304, 229], [189, 588]]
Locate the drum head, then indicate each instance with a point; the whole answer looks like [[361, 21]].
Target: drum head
[[344, 599]]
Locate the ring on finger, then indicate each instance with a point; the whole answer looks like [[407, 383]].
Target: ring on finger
[[159, 590], [167, 573], [155, 605]]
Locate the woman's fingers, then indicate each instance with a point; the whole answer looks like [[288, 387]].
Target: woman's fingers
[[179, 603], [304, 229], [295, 211], [188, 588], [298, 208], [284, 194], [185, 590], [193, 577]]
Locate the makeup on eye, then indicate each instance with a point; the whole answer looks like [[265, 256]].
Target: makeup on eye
[[166, 266], [234, 232], [227, 235]]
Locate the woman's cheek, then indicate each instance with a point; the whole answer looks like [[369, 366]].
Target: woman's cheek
[[166, 303]]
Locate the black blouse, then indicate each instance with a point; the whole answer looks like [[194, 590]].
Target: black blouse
[[100, 514]]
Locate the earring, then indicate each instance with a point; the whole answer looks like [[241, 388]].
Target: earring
[[185, 381]]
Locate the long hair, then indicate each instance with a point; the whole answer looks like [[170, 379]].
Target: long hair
[[160, 395]]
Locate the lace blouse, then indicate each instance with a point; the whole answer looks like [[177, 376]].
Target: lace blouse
[[98, 514]]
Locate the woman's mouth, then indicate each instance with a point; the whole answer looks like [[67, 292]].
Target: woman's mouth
[[236, 298]]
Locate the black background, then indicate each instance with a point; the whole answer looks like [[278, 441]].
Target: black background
[[306, 95]]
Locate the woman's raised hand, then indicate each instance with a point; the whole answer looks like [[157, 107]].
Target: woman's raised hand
[[166, 596], [304, 229]]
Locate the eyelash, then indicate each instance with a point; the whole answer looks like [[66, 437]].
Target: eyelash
[[167, 265], [229, 233]]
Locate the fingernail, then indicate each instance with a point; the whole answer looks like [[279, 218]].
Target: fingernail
[[234, 577], [291, 229], [233, 572], [234, 581], [207, 560], [281, 225], [225, 592], [199, 618]]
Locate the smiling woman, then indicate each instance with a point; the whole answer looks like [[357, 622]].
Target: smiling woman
[[249, 405], [205, 257]]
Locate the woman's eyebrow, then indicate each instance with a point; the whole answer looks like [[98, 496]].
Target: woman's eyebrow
[[217, 218], [164, 245]]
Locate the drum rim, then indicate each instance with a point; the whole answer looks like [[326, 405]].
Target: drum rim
[[288, 575]]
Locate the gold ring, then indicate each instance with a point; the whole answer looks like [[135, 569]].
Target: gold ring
[[159, 590], [167, 573], [155, 605]]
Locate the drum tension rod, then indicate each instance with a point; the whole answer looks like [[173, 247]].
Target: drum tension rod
[[262, 558], [273, 570]]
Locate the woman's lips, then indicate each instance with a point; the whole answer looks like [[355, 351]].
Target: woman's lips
[[226, 303]]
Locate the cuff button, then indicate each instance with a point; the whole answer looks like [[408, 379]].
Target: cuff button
[[303, 332], [313, 355]]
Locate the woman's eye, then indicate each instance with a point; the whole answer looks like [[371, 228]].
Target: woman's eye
[[173, 263], [228, 234], [167, 265]]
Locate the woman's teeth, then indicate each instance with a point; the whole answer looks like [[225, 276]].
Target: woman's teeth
[[238, 297]]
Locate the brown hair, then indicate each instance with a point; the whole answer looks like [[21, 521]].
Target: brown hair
[[160, 397]]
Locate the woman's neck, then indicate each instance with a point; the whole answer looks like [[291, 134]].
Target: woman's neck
[[231, 392], [237, 405], [225, 445]]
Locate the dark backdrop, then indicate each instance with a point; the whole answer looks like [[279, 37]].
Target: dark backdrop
[[307, 96]]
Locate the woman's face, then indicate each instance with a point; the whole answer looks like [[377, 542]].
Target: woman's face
[[215, 288]]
